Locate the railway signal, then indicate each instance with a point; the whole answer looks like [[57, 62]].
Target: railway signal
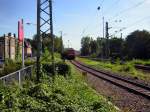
[[107, 40]]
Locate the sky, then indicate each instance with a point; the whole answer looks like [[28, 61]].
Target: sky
[[78, 18]]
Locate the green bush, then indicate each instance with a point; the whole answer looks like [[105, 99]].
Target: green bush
[[11, 66], [94, 55], [9, 62], [61, 68], [62, 95], [48, 68], [29, 62]]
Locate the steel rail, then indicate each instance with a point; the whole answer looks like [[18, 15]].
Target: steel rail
[[123, 83]]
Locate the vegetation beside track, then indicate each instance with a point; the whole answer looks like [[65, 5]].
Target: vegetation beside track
[[11, 66], [64, 94], [127, 69]]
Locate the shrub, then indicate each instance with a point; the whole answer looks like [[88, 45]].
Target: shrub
[[48, 68], [126, 68], [9, 69], [94, 55], [62, 68], [10, 66], [9, 62], [29, 62]]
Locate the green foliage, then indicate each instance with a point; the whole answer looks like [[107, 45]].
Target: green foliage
[[126, 69], [47, 67], [46, 57], [29, 62], [63, 95], [94, 55], [85, 43], [141, 62], [11, 66], [61, 67], [47, 43], [137, 45]]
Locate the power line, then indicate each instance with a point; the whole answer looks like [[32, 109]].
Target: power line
[[112, 5], [101, 4], [133, 24], [130, 8]]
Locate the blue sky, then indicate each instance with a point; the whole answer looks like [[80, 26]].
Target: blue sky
[[77, 18]]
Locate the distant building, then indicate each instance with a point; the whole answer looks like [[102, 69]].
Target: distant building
[[27, 49], [9, 45]]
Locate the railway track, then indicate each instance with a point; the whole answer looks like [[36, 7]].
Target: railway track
[[143, 67], [130, 86], [140, 67]]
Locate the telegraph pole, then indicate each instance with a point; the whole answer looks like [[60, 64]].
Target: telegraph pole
[[68, 43], [103, 37], [61, 36], [121, 35], [38, 39], [103, 27], [107, 40], [103, 20], [44, 27], [51, 32]]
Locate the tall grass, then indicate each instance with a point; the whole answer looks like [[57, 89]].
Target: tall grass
[[127, 69]]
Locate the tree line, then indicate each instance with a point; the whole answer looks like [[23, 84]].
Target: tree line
[[135, 46], [47, 43]]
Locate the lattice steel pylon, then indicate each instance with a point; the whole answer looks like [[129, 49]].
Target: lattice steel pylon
[[44, 26]]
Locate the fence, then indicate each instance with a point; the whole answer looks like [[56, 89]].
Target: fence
[[19, 76]]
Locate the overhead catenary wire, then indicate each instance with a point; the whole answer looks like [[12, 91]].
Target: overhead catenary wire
[[133, 24], [101, 4], [87, 27], [129, 9], [112, 5]]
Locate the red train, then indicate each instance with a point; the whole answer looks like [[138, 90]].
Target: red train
[[68, 54]]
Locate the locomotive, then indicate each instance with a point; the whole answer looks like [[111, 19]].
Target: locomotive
[[68, 54]]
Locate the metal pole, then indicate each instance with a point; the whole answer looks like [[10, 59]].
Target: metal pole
[[51, 31], [19, 77], [39, 40], [103, 36], [121, 35], [68, 43], [61, 33], [103, 27], [23, 45], [107, 39]]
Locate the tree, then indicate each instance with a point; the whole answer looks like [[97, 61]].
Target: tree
[[93, 46], [138, 45], [85, 46], [47, 43]]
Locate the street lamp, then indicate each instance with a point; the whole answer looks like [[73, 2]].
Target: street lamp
[[103, 20], [28, 23]]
